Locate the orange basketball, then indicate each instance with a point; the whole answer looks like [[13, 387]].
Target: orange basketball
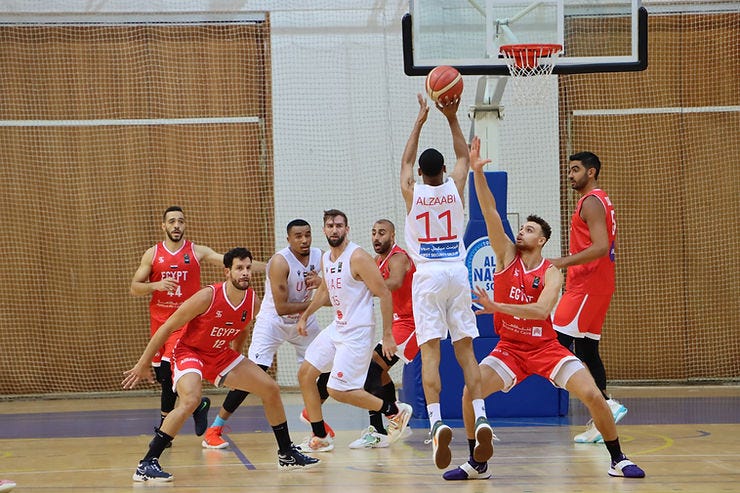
[[444, 83]]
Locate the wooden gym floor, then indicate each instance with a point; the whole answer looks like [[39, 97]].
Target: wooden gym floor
[[686, 438]]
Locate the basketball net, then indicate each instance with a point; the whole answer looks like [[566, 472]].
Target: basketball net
[[529, 67]]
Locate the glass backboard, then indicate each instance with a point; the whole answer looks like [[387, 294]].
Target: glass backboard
[[596, 35]]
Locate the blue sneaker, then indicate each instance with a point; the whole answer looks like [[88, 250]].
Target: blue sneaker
[[150, 470], [468, 471], [625, 468], [295, 460], [200, 416]]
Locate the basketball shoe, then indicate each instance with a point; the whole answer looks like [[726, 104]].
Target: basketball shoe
[[304, 419], [200, 416], [213, 438], [469, 470], [370, 438], [625, 468], [150, 470], [295, 460], [314, 444], [441, 438], [398, 422], [483, 440], [6, 485]]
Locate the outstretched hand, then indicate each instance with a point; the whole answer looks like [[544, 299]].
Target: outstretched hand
[[448, 107], [476, 163], [480, 296], [134, 375], [423, 109]]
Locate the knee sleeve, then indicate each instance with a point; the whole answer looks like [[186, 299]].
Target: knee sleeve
[[321, 384], [234, 399], [587, 351], [163, 374], [372, 382]]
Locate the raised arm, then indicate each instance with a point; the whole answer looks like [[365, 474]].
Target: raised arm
[[502, 246], [459, 173], [409, 153]]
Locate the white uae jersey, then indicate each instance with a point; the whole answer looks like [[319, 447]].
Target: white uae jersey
[[297, 292], [435, 223], [351, 299]]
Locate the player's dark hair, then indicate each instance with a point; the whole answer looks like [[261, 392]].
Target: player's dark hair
[[589, 160], [546, 229], [431, 162], [296, 223], [239, 252], [332, 213], [172, 208], [390, 224]]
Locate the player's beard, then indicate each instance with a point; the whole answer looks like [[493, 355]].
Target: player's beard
[[336, 242], [240, 286], [382, 248], [169, 235]]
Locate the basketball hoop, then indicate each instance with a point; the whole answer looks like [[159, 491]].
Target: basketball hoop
[[529, 65]]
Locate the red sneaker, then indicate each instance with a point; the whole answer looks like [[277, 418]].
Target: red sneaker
[[304, 418]]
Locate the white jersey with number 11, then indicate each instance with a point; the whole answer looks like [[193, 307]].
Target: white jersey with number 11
[[434, 225]]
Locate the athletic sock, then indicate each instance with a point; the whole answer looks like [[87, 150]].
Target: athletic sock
[[283, 437], [376, 421], [389, 408], [614, 449], [158, 444], [319, 429]]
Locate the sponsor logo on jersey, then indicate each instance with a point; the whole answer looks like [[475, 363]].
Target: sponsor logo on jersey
[[219, 314]]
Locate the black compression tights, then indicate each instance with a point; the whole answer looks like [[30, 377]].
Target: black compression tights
[[587, 350]]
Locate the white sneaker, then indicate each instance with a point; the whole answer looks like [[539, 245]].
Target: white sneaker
[[370, 438], [315, 444], [398, 422], [441, 436], [407, 432], [617, 408], [591, 435]]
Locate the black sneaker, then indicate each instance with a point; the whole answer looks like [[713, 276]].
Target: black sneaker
[[200, 416], [295, 460], [150, 470]]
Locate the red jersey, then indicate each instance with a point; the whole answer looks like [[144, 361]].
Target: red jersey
[[182, 266], [517, 286], [212, 331], [402, 308], [597, 276]]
